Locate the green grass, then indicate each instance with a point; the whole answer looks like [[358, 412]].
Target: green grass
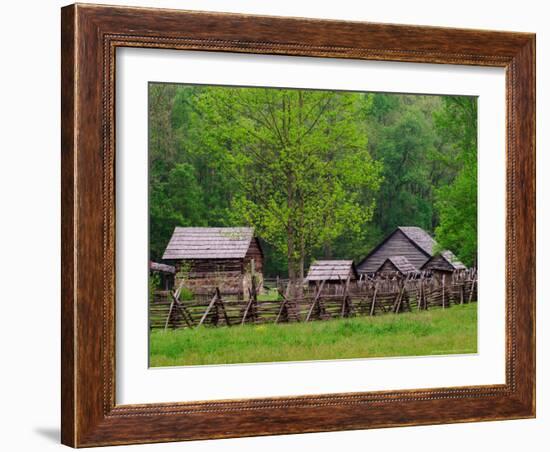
[[433, 332], [269, 295]]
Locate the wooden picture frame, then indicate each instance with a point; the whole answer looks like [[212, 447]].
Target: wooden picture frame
[[90, 36]]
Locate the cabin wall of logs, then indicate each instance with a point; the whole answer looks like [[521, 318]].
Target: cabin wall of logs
[[231, 276], [368, 296]]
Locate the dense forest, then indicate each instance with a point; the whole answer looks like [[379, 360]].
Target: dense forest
[[318, 173]]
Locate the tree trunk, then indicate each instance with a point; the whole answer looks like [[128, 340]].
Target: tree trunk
[[300, 281], [327, 250], [291, 236], [293, 283], [291, 262]]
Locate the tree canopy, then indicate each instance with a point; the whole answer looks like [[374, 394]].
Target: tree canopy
[[457, 201], [317, 173]]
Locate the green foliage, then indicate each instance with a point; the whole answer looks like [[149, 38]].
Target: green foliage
[[188, 183], [186, 294], [270, 295], [457, 205], [404, 198], [431, 332], [300, 161], [183, 274], [154, 284], [457, 202], [176, 202], [415, 160], [297, 165]]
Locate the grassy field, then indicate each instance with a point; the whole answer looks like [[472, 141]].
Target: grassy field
[[434, 332]]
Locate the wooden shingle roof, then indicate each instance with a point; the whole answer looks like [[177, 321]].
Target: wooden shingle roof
[[445, 260], [331, 270], [208, 243], [401, 263], [420, 237], [453, 260], [164, 268], [410, 241]]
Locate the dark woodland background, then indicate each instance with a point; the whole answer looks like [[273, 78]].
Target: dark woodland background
[[319, 174]]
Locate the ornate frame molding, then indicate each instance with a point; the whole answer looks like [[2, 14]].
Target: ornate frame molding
[[90, 37]]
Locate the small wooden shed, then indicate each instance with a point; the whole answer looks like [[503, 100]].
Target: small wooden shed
[[331, 271], [396, 264], [444, 262], [165, 273], [213, 257]]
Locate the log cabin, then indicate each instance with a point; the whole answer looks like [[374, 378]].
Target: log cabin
[[165, 273], [211, 257], [396, 265], [411, 242], [331, 271], [443, 263]]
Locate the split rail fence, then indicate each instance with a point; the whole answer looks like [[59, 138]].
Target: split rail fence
[[326, 300]]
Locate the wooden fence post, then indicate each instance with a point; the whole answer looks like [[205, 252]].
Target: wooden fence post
[[221, 307], [474, 281], [443, 290], [169, 315], [252, 300], [214, 298], [175, 297], [281, 309], [339, 301], [183, 311], [374, 299], [397, 303], [314, 302], [345, 298]]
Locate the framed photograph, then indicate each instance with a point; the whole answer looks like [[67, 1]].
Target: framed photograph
[[281, 225]]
